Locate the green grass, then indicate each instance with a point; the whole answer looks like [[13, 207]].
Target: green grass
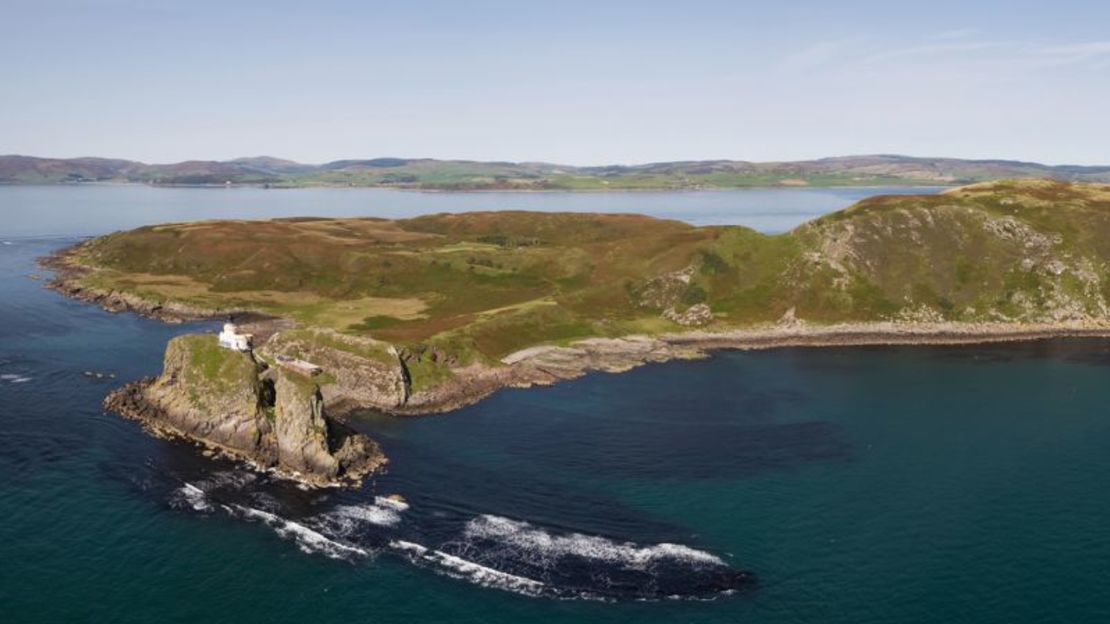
[[481, 285], [209, 370], [312, 337], [425, 375]]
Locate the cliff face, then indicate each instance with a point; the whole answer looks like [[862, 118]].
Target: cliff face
[[301, 431], [213, 395], [308, 442], [229, 400], [358, 372]]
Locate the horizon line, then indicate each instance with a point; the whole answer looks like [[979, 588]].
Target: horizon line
[[559, 164]]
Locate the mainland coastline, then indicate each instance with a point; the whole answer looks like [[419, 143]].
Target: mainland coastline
[[548, 364], [1035, 281]]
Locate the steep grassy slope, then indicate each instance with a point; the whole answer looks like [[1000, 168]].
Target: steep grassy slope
[[427, 173], [477, 286], [999, 251]]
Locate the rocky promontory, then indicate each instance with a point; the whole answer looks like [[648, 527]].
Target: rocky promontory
[[433, 313], [239, 404]]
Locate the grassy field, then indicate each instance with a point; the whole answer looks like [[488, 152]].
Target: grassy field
[[479, 286]]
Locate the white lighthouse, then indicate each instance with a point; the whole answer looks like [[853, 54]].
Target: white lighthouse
[[230, 338]]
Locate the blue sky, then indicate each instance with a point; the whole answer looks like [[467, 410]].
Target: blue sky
[[562, 81]]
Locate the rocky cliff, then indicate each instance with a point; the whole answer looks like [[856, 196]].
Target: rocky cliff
[[428, 314], [357, 372], [238, 404]]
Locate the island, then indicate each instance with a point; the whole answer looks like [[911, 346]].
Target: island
[[425, 315]]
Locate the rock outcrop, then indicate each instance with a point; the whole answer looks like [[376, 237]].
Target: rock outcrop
[[300, 428], [212, 394], [358, 372], [541, 297], [231, 401]]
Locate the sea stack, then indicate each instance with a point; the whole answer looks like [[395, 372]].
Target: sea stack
[[229, 399]]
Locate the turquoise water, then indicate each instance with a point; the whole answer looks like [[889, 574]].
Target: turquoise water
[[930, 484]]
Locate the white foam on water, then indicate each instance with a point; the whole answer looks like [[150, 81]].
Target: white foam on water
[[348, 520], [195, 497], [308, 540], [459, 568], [545, 548], [15, 379], [373, 514], [392, 503]]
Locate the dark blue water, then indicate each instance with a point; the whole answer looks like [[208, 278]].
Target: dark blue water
[[858, 485]]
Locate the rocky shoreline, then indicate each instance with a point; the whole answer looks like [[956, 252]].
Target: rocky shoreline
[[296, 439], [67, 281], [546, 365], [130, 402], [266, 418]]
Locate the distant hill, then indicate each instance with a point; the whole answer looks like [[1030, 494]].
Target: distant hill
[[431, 174]]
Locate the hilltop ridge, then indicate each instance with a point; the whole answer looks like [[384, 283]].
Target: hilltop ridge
[[432, 174]]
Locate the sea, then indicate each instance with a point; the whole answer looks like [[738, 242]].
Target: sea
[[857, 485]]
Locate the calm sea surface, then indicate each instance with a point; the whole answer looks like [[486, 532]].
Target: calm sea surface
[[88, 210], [857, 485]]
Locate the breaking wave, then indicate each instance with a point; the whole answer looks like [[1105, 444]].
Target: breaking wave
[[546, 548], [15, 379], [457, 567], [516, 556], [594, 567], [350, 521], [308, 540], [192, 496], [487, 550]]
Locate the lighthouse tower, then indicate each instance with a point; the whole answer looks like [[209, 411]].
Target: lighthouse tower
[[230, 338]]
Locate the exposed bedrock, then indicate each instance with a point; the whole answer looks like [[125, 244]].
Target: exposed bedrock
[[230, 400]]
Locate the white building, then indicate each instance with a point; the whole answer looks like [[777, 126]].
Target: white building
[[230, 338]]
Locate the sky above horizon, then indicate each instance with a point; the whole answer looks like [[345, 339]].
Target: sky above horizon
[[571, 82]]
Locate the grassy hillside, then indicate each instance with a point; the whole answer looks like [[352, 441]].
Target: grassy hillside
[[478, 286], [472, 175]]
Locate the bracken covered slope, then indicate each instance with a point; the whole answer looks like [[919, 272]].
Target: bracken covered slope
[[447, 291]]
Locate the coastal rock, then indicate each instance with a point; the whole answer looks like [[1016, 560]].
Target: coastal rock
[[987, 262], [694, 316], [666, 290], [790, 318], [300, 428], [545, 365], [309, 442], [357, 371], [68, 280], [225, 399], [213, 395]]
